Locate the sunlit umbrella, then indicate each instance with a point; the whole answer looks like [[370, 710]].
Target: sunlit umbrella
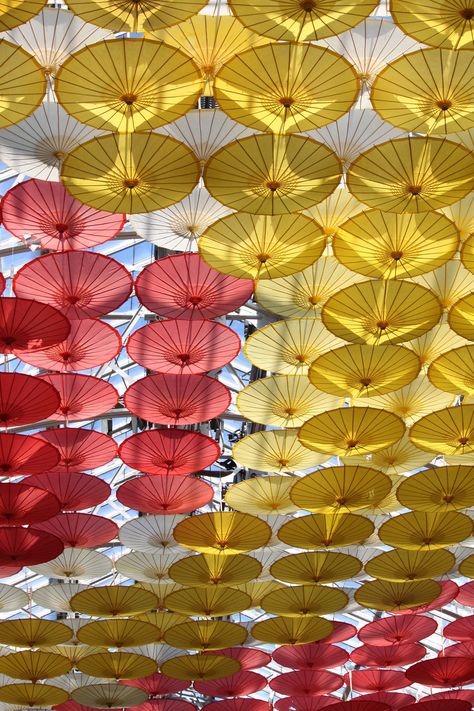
[[406, 565], [209, 601], [201, 667], [304, 600], [151, 534], [291, 630], [416, 174], [203, 635], [273, 175], [139, 17], [77, 564], [206, 569], [118, 665], [438, 489], [22, 84], [460, 317], [317, 567], [447, 431], [326, 531], [261, 495], [262, 246], [113, 601], [31, 632], [422, 531], [401, 245], [275, 451], [443, 24], [32, 695], [115, 173], [108, 696], [390, 596], [222, 532], [34, 666]]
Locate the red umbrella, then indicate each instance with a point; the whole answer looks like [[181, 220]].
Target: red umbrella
[[461, 630], [165, 494], [463, 649], [90, 343], [162, 451], [177, 399], [183, 347], [248, 657], [158, 684], [393, 699], [306, 683], [342, 631], [27, 325], [82, 397], [449, 590], [80, 284], [310, 656], [24, 454], [80, 530], [239, 705], [360, 704], [396, 655], [25, 399], [465, 595], [184, 286], [23, 546], [397, 630], [21, 504], [7, 571], [462, 694], [243, 683], [443, 671], [376, 680], [79, 449], [440, 705], [305, 703], [46, 214], [73, 490]]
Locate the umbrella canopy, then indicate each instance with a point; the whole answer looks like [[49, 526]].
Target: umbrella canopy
[[248, 657], [24, 454], [340, 489], [400, 244], [169, 451], [79, 284], [291, 630], [289, 346], [215, 601], [79, 449], [291, 21], [139, 18], [326, 531], [283, 401], [286, 87], [90, 343], [447, 431], [31, 695], [304, 601], [351, 431], [159, 684], [391, 597], [22, 84], [25, 547], [128, 85], [243, 683], [108, 696], [26, 326], [31, 632], [165, 494], [377, 679], [80, 530], [460, 317], [42, 212], [114, 172], [222, 532], [443, 489], [177, 399], [310, 656], [183, 347], [419, 530], [406, 565], [442, 671], [205, 635], [21, 504], [150, 534], [118, 665], [275, 451], [272, 175], [113, 601], [81, 396], [399, 655], [443, 25], [76, 564], [200, 667], [207, 569], [73, 491], [184, 286], [317, 567], [34, 666], [261, 495], [417, 174], [377, 312]]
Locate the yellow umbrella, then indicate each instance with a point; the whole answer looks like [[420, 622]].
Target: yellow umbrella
[[428, 91], [34, 666], [377, 312], [275, 451], [204, 570], [32, 695], [225, 532], [450, 282], [438, 489], [462, 214], [113, 601], [461, 317], [399, 458], [351, 431], [283, 401], [452, 371], [417, 174], [132, 173], [438, 340], [400, 245], [262, 495], [303, 294], [286, 87], [413, 401], [405, 565], [200, 667], [292, 630], [340, 489], [262, 246], [206, 634], [22, 82], [466, 568], [421, 531], [161, 621], [389, 596], [17, 12], [301, 21], [335, 210], [128, 85], [211, 601], [363, 370], [136, 16], [258, 589], [272, 175], [326, 531], [119, 665], [304, 600], [32, 632], [118, 633], [442, 23], [447, 431], [317, 567], [289, 347]]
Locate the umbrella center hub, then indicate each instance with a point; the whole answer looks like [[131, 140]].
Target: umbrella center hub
[[308, 5], [414, 189], [444, 104], [129, 99], [286, 101], [131, 183], [467, 13], [273, 185]]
